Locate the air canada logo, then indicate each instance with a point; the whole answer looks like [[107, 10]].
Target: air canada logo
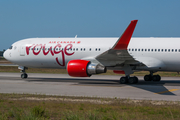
[[38, 48]]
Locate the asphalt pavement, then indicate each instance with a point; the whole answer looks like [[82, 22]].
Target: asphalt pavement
[[95, 86]]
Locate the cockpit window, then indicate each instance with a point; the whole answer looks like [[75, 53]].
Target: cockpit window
[[10, 47]]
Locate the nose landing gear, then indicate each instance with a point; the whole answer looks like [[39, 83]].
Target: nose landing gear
[[23, 69], [24, 75]]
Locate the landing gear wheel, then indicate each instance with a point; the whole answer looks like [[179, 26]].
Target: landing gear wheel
[[23, 70], [123, 80], [152, 77], [24, 75], [137, 80], [147, 78], [159, 77], [156, 78], [133, 80]]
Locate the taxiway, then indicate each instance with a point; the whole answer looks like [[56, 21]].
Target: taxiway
[[95, 86]]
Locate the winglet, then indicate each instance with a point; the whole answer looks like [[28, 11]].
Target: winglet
[[123, 41]]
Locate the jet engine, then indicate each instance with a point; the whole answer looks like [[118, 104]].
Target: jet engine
[[84, 68]]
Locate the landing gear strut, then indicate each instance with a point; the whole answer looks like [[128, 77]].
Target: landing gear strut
[[23, 70], [152, 77], [128, 79]]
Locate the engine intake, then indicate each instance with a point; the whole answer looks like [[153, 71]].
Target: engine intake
[[84, 68]]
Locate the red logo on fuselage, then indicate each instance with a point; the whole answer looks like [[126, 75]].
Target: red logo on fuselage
[[51, 50]]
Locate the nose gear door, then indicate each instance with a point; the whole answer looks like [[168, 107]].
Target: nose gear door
[[22, 50]]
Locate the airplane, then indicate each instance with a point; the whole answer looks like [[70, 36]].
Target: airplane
[[83, 57]]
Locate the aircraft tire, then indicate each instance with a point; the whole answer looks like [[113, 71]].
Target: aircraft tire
[[24, 75], [137, 80], [123, 80], [147, 78], [132, 80], [156, 78]]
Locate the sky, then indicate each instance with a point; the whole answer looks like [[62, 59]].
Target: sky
[[21, 19]]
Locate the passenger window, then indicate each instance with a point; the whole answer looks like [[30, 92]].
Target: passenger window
[[89, 49], [142, 50], [162, 50], [76, 49], [81, 49], [155, 50], [151, 49], [165, 50], [172, 50], [158, 50], [132, 49], [138, 49], [135, 49], [148, 49], [175, 50], [84, 49], [96, 49], [168, 50], [145, 49]]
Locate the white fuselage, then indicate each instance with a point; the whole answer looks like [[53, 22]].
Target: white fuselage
[[159, 53]]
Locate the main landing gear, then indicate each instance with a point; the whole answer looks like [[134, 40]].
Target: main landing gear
[[23, 70], [128, 79], [152, 77], [134, 80]]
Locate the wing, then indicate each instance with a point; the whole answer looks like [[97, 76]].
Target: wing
[[118, 55]]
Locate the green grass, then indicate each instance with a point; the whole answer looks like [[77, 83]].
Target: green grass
[[42, 107], [32, 70]]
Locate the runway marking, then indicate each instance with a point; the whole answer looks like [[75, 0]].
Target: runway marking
[[167, 91]]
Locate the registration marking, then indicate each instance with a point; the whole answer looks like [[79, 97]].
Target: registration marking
[[167, 91]]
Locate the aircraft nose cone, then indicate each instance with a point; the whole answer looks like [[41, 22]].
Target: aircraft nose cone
[[5, 55]]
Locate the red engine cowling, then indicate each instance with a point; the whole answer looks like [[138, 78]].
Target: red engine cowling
[[84, 68], [78, 68]]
